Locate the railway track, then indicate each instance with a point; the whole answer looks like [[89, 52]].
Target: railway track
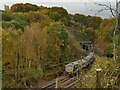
[[69, 82], [63, 82], [50, 85]]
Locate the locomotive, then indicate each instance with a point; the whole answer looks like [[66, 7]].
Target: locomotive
[[76, 67]]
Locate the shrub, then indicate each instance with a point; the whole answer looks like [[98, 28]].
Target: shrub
[[6, 17]]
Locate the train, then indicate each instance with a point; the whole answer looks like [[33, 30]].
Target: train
[[76, 67]]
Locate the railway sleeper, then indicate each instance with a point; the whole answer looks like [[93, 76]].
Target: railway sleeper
[[63, 80], [67, 82], [71, 84]]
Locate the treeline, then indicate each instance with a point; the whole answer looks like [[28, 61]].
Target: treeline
[[26, 13], [36, 36]]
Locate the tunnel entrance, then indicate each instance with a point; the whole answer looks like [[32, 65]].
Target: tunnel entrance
[[86, 45]]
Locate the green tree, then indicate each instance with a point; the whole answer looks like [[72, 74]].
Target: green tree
[[64, 37], [6, 16], [93, 22], [60, 10], [55, 16], [81, 19]]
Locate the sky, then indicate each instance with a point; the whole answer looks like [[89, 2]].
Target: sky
[[86, 7]]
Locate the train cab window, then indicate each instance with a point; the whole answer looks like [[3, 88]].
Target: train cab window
[[69, 67]]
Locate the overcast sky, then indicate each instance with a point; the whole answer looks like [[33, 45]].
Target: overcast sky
[[87, 7]]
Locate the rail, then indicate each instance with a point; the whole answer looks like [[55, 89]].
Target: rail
[[64, 82]]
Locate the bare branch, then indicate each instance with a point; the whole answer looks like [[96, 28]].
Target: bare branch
[[106, 7], [111, 10], [101, 10]]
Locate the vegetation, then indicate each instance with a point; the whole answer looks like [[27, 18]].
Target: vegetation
[[108, 76], [36, 37], [20, 7]]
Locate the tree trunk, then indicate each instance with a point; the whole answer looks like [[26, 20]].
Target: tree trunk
[[114, 34]]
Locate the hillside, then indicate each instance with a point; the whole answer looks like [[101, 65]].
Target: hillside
[[37, 43]]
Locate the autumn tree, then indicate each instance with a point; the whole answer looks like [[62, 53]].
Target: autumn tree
[[20, 7], [93, 22], [115, 14]]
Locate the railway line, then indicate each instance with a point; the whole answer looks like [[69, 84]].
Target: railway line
[[73, 69], [65, 81], [50, 85]]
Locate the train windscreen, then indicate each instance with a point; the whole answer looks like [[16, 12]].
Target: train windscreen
[[69, 67]]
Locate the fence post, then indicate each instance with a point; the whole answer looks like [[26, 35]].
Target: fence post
[[56, 86], [98, 76]]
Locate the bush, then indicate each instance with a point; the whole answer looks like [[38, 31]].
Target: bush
[[14, 25], [55, 16], [6, 17]]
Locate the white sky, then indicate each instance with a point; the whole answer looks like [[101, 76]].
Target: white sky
[[86, 7]]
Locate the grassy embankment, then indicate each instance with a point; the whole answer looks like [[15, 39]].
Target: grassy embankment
[[108, 75]]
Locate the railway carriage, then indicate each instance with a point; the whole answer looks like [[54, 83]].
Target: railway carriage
[[76, 67]]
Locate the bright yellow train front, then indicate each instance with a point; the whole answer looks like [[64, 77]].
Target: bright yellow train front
[[72, 68], [69, 68]]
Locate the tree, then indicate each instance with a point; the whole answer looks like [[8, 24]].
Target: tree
[[6, 8], [81, 19], [55, 16], [60, 10], [64, 37], [20, 7], [115, 14], [37, 44], [93, 22], [106, 30], [6, 16]]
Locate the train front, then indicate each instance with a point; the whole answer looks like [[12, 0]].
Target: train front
[[69, 69]]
